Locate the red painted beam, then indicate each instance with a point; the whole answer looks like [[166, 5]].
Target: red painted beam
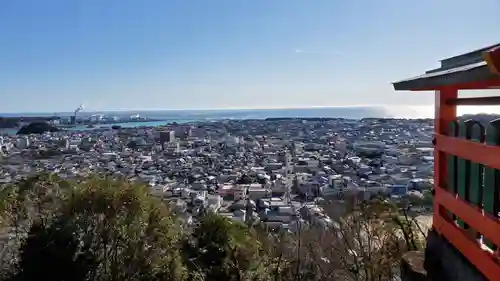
[[485, 224], [475, 101], [488, 155], [444, 113], [485, 262]]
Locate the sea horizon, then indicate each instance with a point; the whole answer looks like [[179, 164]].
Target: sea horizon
[[348, 112]]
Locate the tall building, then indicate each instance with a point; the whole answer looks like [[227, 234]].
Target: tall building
[[284, 158], [167, 136], [293, 149]]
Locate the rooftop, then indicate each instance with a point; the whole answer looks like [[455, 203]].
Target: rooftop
[[458, 70]]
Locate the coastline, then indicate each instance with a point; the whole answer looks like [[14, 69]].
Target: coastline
[[13, 131]]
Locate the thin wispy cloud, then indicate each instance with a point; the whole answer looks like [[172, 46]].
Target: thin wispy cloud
[[301, 51]]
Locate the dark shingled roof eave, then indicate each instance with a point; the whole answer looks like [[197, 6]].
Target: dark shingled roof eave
[[437, 79]]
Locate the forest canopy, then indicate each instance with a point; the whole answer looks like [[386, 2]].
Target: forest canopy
[[107, 229]]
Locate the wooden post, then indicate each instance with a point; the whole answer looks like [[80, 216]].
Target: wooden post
[[476, 179], [452, 167], [444, 114], [491, 194], [463, 168]]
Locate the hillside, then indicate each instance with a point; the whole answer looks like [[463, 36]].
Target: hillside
[[14, 122], [37, 128]]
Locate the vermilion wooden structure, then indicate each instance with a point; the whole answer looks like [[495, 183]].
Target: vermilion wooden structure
[[474, 226]]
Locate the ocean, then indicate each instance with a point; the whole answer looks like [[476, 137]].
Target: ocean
[[185, 116], [349, 112]]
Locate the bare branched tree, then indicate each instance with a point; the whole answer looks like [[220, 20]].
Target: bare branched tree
[[365, 244]]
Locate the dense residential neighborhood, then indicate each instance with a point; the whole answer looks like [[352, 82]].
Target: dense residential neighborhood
[[278, 171]]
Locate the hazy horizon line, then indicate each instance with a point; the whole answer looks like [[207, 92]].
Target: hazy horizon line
[[384, 110], [226, 108]]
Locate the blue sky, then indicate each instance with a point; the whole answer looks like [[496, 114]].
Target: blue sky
[[192, 54]]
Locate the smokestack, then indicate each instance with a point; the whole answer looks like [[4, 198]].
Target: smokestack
[[80, 108]]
